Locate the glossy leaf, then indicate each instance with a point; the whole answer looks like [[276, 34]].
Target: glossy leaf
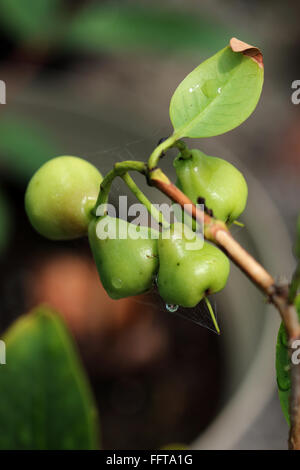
[[218, 95], [283, 367], [45, 401], [30, 18], [24, 146], [134, 28]]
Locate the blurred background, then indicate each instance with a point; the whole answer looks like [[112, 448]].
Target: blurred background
[[94, 79]]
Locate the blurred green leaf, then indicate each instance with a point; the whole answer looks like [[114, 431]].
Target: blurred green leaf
[[5, 222], [133, 27], [46, 402], [283, 366], [217, 96], [30, 18], [24, 146]]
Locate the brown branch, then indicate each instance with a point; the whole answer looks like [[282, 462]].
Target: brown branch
[[217, 232]]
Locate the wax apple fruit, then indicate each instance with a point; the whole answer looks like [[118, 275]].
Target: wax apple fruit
[[217, 181], [60, 196], [185, 276], [126, 266]]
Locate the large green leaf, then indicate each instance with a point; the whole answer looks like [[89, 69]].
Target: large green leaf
[[218, 95], [119, 26], [45, 400], [283, 367], [24, 146], [28, 19]]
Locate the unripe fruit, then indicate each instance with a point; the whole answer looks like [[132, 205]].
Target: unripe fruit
[[60, 196], [126, 266], [185, 276], [217, 181]]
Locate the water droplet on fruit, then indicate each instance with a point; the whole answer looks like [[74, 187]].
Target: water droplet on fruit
[[172, 308], [117, 283]]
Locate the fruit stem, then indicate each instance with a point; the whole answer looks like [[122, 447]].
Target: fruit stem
[[155, 213], [166, 144], [210, 309], [185, 152], [104, 190], [119, 169], [130, 165], [158, 152]]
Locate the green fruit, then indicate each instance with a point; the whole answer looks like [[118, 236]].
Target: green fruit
[[60, 196], [126, 266], [185, 276], [221, 185]]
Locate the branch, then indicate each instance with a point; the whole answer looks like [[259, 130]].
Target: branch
[[217, 232]]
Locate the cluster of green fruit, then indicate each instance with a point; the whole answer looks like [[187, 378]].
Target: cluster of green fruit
[[59, 202]]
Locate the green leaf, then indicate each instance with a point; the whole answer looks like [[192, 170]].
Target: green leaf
[[218, 95], [5, 222], [30, 18], [136, 28], [46, 402], [283, 366], [24, 146]]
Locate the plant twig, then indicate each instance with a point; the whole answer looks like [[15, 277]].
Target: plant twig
[[217, 232]]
